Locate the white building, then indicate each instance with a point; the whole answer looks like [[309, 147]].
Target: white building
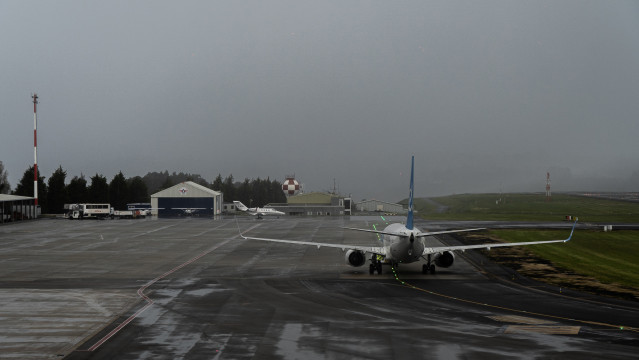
[[187, 199], [379, 206]]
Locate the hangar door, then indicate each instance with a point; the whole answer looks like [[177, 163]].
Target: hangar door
[[185, 206]]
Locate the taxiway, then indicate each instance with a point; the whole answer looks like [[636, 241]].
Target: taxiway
[[191, 288]]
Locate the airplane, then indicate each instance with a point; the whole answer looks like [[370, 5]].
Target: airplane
[[189, 211], [257, 210], [405, 243]]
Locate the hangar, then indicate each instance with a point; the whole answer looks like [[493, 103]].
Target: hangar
[[379, 206], [187, 199]]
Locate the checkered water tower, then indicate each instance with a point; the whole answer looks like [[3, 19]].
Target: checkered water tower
[[290, 186]]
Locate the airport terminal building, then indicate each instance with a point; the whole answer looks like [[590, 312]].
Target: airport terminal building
[[329, 204], [380, 206], [315, 204]]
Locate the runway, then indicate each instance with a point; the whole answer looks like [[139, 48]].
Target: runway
[[191, 288]]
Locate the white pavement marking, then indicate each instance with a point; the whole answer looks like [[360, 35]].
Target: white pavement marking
[[34, 322], [149, 301]]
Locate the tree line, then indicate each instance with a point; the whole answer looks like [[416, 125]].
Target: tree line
[[55, 192]]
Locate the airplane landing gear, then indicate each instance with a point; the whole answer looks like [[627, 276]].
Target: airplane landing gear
[[376, 265], [429, 267]]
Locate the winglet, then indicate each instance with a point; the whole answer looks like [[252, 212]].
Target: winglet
[[573, 230], [409, 218], [238, 229]]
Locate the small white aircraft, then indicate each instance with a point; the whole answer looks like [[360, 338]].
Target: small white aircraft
[[190, 211], [257, 210], [404, 243]]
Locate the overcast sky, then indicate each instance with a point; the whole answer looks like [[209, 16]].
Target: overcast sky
[[487, 95]]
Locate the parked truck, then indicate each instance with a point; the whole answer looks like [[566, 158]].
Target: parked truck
[[102, 211], [87, 211]]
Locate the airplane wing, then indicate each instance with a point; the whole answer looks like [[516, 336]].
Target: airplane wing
[[372, 231], [434, 250], [370, 249], [430, 233]]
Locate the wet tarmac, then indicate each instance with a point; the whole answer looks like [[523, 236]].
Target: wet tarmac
[[191, 288]]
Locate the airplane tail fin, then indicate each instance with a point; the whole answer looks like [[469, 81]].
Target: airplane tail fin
[[240, 206], [409, 218]]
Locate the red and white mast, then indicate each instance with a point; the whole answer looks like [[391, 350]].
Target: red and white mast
[[35, 149]]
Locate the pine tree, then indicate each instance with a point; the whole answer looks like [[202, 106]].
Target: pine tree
[[98, 191], [5, 187], [57, 192], [77, 190], [118, 192]]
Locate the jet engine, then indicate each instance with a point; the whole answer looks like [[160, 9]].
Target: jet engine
[[444, 259], [355, 258]]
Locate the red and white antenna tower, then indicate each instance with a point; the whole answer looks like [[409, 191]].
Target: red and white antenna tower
[[35, 148], [547, 186]]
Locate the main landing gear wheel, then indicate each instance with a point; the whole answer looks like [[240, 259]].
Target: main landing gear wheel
[[426, 268], [429, 267], [376, 265]]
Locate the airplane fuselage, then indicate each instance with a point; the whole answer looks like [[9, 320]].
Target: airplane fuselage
[[402, 248], [257, 210], [265, 211]]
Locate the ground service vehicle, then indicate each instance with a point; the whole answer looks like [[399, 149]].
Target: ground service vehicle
[[88, 211], [128, 214]]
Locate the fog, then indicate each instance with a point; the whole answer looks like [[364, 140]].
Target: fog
[[488, 96]]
